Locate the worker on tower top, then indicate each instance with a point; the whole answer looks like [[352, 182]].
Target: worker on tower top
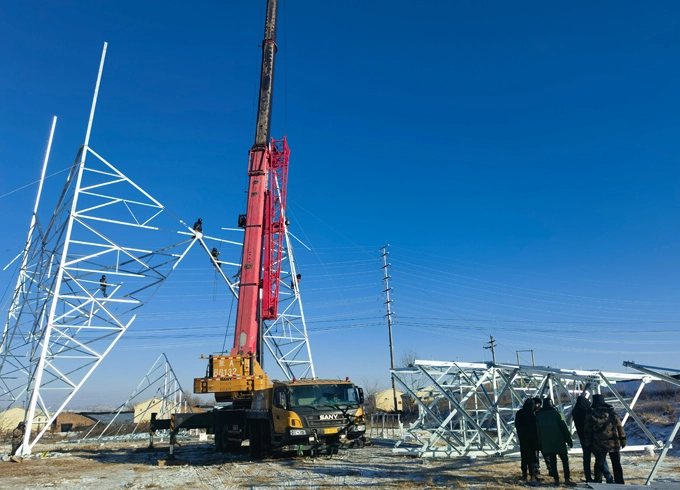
[[198, 226]]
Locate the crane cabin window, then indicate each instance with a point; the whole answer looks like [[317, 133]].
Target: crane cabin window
[[323, 395]]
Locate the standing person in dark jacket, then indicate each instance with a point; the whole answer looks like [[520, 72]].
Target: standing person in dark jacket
[[604, 434], [578, 413], [538, 401], [525, 424], [554, 435]]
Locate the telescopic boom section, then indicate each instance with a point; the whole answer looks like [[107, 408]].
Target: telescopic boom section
[[247, 315]]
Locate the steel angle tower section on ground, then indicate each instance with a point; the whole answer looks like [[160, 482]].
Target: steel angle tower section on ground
[[166, 398], [104, 225], [661, 374], [467, 409]]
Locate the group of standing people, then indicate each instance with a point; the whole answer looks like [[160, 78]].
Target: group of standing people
[[541, 427]]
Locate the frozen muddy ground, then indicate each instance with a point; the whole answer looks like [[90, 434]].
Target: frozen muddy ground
[[131, 466]]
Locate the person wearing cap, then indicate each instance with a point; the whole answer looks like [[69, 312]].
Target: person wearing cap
[[554, 436], [18, 437], [578, 413], [604, 435]]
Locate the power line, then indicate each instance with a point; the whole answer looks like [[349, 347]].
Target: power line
[[34, 182]]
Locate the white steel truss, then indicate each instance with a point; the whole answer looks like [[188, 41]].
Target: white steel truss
[[653, 371], [167, 398], [466, 409]]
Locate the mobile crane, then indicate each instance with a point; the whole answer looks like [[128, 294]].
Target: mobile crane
[[302, 416]]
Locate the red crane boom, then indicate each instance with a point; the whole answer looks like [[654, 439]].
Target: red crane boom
[[264, 219]]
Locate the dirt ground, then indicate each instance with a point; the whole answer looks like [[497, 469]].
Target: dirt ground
[[131, 465]]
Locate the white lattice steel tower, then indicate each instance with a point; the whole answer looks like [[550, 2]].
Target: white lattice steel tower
[[83, 279]]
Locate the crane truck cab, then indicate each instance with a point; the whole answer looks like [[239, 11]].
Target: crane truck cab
[[315, 415]]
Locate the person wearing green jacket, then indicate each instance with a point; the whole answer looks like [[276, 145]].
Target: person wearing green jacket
[[554, 436]]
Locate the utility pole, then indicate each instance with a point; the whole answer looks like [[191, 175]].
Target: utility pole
[[492, 346], [388, 301]]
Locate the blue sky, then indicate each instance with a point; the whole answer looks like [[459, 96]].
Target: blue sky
[[521, 160]]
